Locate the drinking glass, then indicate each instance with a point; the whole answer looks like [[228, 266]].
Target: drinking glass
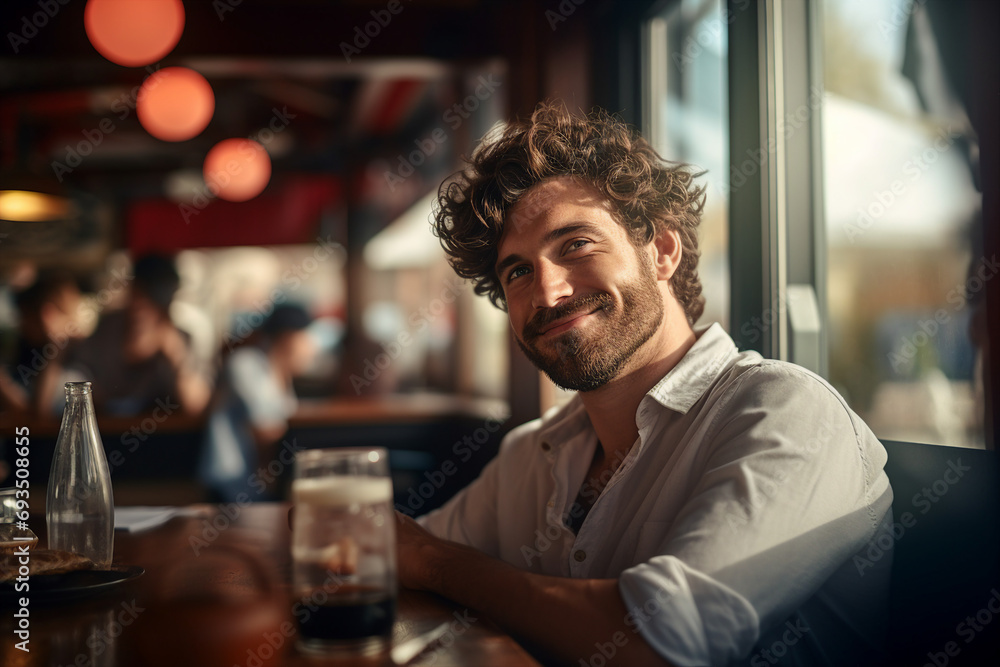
[[343, 550]]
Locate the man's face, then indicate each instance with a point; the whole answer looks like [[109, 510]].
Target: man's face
[[60, 316], [582, 299], [299, 349]]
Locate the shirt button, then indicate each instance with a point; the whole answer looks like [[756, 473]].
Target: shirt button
[[580, 555], [552, 503], [546, 446]]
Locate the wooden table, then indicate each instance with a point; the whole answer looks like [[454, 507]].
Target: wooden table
[[120, 626]]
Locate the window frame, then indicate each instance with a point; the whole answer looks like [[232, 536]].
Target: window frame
[[778, 295], [780, 208], [775, 58]]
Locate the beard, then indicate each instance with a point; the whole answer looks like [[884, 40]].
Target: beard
[[581, 361]]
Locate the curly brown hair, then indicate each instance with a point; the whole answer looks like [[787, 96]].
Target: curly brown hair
[[646, 192]]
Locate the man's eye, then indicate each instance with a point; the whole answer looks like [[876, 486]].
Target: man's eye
[[577, 244], [516, 272]]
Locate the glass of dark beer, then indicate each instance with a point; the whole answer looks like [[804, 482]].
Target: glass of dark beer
[[343, 551]]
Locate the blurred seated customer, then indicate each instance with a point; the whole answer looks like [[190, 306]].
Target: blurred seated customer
[[252, 404], [137, 358], [48, 323]]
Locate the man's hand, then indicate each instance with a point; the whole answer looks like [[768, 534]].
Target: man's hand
[[193, 392], [172, 344], [558, 616], [415, 548]]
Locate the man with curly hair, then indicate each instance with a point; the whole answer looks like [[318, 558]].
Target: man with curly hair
[[692, 504]]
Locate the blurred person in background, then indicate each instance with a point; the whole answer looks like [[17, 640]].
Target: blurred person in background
[[252, 404], [136, 358], [48, 312]]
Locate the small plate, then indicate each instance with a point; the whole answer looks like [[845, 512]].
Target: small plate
[[70, 585]]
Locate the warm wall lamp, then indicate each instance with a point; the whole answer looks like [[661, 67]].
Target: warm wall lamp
[[25, 197]]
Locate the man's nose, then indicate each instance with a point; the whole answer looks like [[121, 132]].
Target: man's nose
[[551, 285]]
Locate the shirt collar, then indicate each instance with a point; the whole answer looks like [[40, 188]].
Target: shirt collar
[[679, 389], [686, 382]]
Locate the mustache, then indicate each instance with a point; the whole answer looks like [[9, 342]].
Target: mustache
[[579, 305]]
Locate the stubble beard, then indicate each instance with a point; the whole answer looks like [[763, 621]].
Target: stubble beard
[[585, 361]]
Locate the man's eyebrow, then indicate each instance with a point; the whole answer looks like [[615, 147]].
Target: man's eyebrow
[[507, 261], [551, 236]]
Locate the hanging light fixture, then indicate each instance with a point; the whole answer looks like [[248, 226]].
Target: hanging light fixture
[[134, 33], [27, 197], [29, 206], [175, 104], [237, 169]]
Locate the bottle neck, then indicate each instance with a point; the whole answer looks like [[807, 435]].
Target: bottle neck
[[76, 389], [79, 404]]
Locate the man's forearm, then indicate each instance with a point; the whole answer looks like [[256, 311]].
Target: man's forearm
[[570, 619], [193, 391]]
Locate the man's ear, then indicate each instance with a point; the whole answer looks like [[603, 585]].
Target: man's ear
[[666, 252]]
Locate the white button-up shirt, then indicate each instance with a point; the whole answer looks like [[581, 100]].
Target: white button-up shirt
[[741, 526]]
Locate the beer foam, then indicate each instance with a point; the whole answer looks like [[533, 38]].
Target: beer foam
[[341, 490]]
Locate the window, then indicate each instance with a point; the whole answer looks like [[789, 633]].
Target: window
[[686, 118], [843, 164], [901, 214]]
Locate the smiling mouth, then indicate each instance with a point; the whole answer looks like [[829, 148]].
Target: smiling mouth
[[566, 324]]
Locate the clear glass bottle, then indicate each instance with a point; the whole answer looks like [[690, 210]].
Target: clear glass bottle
[[79, 507]]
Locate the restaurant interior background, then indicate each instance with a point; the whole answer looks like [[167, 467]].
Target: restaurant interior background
[[844, 227]]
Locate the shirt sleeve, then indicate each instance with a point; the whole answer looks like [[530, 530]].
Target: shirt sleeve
[[470, 517], [790, 486]]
